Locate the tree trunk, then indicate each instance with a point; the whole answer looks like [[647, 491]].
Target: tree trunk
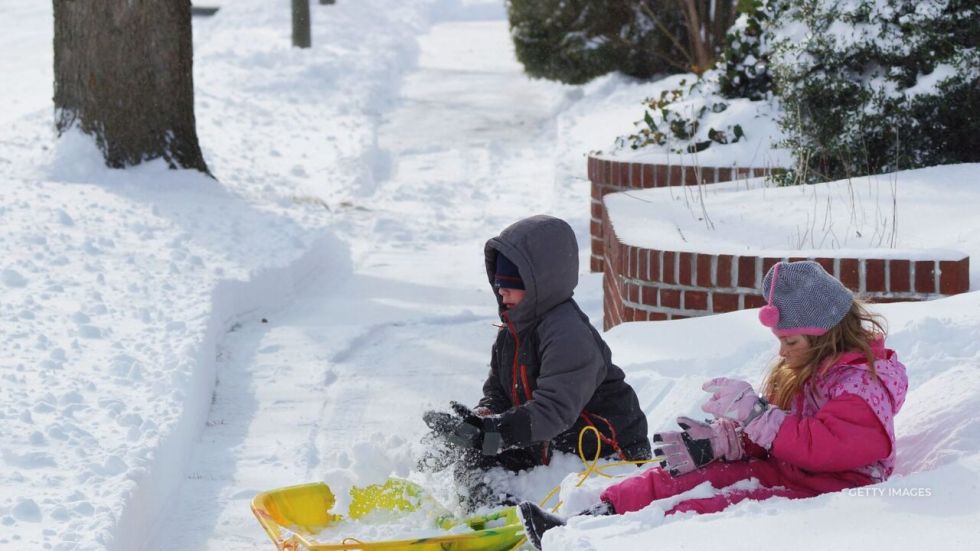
[[301, 23], [123, 73]]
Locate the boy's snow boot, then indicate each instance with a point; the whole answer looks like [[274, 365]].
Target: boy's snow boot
[[536, 521]]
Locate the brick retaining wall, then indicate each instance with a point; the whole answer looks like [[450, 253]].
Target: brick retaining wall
[[642, 284], [609, 176]]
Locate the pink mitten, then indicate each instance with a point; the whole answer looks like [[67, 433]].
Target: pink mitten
[[733, 399], [697, 445]]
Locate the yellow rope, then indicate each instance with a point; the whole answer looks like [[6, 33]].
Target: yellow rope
[[592, 466]]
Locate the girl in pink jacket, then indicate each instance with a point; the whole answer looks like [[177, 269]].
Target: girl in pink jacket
[[824, 421]]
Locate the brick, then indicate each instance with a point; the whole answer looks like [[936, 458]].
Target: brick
[[704, 278], [690, 177], [657, 316], [754, 301], [709, 174], [624, 175], [590, 168], [633, 293], [678, 317], [695, 300], [874, 275], [643, 265], [724, 174], [636, 176], [629, 314], [595, 263], [647, 172], [631, 262], [597, 248], [596, 208], [746, 272], [768, 263], [686, 261], [675, 176], [724, 271], [595, 228], [758, 172], [850, 274], [954, 276], [648, 295], [796, 259], [655, 265], [670, 298], [886, 300], [925, 276], [668, 267], [724, 302], [898, 271], [606, 178], [661, 172], [827, 264]]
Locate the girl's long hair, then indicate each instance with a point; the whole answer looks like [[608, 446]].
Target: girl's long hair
[[856, 332]]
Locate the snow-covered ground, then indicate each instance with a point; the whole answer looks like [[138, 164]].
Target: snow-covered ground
[[170, 344]]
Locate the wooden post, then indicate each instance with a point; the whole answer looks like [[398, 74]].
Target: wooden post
[[301, 23]]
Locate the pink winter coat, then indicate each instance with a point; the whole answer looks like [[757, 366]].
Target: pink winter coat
[[838, 434]]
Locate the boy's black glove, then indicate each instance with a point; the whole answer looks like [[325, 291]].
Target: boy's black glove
[[465, 429]]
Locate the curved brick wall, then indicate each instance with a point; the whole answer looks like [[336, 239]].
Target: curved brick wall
[[645, 284], [609, 176]]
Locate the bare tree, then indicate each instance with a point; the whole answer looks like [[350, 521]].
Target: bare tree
[[706, 22], [123, 73]]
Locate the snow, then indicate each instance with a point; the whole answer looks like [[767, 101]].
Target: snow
[[170, 345], [901, 215], [758, 119]]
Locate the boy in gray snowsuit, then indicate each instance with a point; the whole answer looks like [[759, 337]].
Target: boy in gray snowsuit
[[551, 374]]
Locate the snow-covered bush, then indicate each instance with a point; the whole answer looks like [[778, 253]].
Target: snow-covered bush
[[678, 119], [878, 85], [744, 63], [685, 119], [574, 41]]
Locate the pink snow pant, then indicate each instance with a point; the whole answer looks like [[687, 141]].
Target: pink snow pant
[[638, 491]]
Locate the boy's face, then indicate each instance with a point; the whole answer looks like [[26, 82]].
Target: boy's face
[[511, 297]]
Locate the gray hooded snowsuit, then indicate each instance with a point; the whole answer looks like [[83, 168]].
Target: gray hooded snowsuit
[[551, 373]]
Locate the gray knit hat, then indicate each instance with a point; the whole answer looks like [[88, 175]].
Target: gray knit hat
[[805, 299]]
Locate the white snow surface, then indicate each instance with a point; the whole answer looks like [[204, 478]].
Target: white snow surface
[[916, 214], [171, 344]]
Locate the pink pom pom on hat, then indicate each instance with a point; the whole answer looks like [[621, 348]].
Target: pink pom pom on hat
[[803, 299]]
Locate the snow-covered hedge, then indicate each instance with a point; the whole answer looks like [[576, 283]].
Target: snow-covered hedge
[[574, 41], [872, 86]]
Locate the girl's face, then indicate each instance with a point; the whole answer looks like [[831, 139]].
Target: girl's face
[[794, 349]]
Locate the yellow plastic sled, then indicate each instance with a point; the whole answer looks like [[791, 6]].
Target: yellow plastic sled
[[293, 516]]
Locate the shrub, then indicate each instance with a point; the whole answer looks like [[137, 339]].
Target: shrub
[[744, 62], [675, 118], [574, 41], [870, 86]]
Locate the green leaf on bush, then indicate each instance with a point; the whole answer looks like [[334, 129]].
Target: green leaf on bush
[[698, 146]]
